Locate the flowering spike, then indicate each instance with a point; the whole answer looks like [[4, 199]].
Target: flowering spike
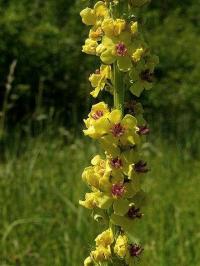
[[115, 178]]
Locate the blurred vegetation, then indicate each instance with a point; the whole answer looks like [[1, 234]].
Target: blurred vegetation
[[50, 78], [42, 224]]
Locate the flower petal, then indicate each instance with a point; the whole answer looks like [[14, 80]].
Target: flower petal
[[124, 63], [104, 202], [107, 57], [134, 74], [129, 121], [121, 206], [115, 116], [96, 160], [137, 88], [124, 222]]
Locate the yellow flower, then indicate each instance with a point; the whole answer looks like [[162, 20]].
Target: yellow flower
[[90, 46], [88, 261], [100, 49], [121, 246], [99, 79], [121, 163], [91, 200], [134, 28], [103, 250], [121, 131], [96, 33], [96, 175], [93, 16], [105, 239], [101, 10], [103, 174], [97, 122], [98, 111], [101, 254], [88, 16], [121, 48], [137, 55], [90, 177], [96, 199], [113, 27]]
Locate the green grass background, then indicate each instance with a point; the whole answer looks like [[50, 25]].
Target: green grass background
[[41, 223]]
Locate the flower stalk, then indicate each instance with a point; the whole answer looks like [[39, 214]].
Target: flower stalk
[[119, 88], [115, 180]]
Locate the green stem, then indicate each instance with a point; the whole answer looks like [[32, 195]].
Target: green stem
[[119, 88]]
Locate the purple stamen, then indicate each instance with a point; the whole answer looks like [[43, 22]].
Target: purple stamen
[[116, 163], [143, 130], [141, 167], [146, 75], [97, 114], [121, 49], [135, 250], [134, 213], [117, 130]]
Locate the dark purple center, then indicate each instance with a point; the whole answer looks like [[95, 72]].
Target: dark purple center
[[146, 75], [134, 212], [117, 130], [116, 163], [131, 107], [143, 130], [97, 114], [121, 49], [135, 250], [141, 167]]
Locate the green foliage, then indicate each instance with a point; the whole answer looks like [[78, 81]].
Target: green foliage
[[176, 41], [45, 40], [42, 224]]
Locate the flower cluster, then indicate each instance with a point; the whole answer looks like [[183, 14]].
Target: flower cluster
[[115, 177], [118, 40]]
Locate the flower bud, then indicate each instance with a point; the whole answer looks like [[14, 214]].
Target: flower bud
[[121, 246], [134, 28], [88, 16], [136, 56], [90, 46], [88, 262]]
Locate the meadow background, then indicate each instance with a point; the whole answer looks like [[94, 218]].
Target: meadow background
[[44, 96]]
